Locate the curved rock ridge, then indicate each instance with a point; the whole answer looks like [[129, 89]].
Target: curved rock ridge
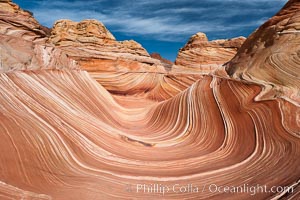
[[64, 136], [149, 85], [270, 56], [205, 56]]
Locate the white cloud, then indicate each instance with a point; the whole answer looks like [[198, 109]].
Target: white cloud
[[150, 19]]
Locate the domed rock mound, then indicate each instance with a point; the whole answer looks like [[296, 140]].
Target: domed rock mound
[[271, 55], [205, 56]]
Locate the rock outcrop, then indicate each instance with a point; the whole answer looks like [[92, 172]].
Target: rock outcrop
[[271, 55], [90, 43], [205, 56], [19, 23], [89, 34], [113, 64], [159, 57], [23, 42], [87, 31]]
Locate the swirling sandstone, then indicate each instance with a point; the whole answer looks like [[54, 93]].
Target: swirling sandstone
[[270, 56], [118, 122], [70, 144]]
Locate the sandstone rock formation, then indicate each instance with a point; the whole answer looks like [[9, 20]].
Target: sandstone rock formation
[[205, 56], [19, 23], [87, 31], [87, 45], [270, 56], [122, 127], [90, 38], [167, 63], [113, 64], [23, 42], [78, 143]]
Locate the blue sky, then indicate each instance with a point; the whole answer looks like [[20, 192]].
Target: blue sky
[[161, 26]]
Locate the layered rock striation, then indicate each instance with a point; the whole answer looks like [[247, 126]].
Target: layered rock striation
[[205, 56], [65, 136], [113, 63], [23, 42], [270, 56]]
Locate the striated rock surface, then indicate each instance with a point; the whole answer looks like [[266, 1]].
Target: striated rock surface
[[19, 23], [65, 137], [19, 54], [122, 127], [270, 56], [205, 56], [23, 42], [113, 64], [87, 45]]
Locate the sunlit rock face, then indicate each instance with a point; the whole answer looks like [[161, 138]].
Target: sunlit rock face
[[134, 130], [122, 67], [90, 40], [205, 56], [23, 42], [19, 23], [270, 56], [87, 31]]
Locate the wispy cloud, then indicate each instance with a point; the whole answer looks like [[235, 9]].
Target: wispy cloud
[[165, 20]]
